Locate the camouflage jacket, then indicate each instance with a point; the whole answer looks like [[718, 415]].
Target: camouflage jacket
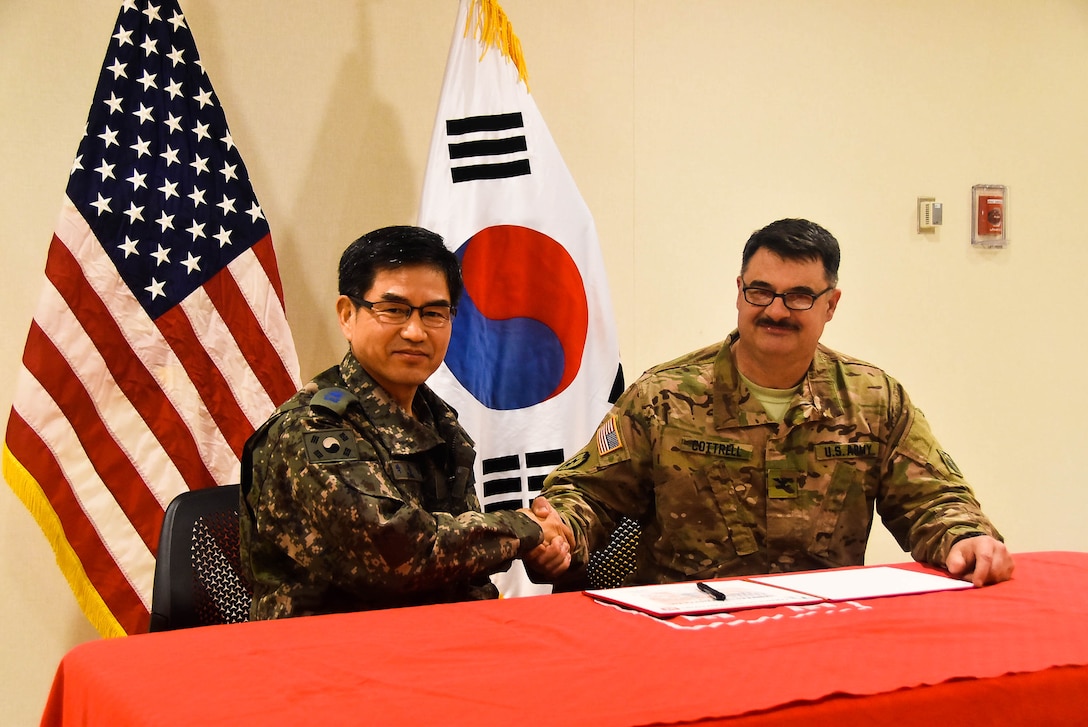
[[720, 489], [348, 504]]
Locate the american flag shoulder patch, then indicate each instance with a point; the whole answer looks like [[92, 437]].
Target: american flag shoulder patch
[[608, 437]]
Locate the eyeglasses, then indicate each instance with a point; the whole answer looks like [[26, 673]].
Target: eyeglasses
[[794, 300], [397, 314]]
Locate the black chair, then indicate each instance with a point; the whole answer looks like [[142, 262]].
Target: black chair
[[608, 568], [199, 580]]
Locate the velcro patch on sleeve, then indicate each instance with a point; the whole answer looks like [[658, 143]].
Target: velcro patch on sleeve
[[608, 437], [950, 463], [331, 445]]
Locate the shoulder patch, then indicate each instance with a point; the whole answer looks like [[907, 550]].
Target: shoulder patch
[[575, 462], [950, 463], [333, 399], [608, 437], [331, 445]]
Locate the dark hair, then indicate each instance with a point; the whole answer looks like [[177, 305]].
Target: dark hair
[[793, 239], [393, 247]]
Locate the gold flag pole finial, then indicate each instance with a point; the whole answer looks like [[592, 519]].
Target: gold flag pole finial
[[488, 23]]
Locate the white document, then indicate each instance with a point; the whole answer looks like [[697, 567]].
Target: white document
[[675, 599], [872, 582]]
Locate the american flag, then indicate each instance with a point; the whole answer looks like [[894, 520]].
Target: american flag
[[608, 436], [160, 341]]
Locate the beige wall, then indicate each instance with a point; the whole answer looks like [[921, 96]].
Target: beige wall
[[687, 125]]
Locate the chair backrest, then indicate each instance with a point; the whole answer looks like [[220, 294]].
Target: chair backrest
[[199, 580], [607, 568]]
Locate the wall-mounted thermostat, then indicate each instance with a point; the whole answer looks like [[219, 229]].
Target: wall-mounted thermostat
[[990, 221], [930, 214]]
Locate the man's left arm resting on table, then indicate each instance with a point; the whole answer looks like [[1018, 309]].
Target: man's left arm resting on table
[[931, 510], [980, 558]]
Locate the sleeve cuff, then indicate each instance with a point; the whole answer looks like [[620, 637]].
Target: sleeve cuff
[[525, 529]]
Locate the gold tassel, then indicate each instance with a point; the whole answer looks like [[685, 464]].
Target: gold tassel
[[90, 601], [488, 23]]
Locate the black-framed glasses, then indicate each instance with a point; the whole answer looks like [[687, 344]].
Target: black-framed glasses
[[794, 300], [437, 315]]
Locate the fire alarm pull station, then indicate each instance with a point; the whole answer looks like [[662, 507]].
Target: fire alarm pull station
[[990, 223]]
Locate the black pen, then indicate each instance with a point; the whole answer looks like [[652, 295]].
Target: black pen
[[718, 595]]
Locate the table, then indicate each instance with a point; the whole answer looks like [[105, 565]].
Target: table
[[1013, 653]]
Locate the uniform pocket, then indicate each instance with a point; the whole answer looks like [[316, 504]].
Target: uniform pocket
[[703, 526], [828, 517]]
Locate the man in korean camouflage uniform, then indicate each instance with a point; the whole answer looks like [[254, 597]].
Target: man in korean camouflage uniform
[[358, 493], [768, 452]]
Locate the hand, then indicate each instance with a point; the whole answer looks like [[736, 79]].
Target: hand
[[551, 558], [548, 561], [981, 560], [549, 521]]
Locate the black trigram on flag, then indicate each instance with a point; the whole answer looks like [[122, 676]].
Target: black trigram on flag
[[508, 485], [495, 144]]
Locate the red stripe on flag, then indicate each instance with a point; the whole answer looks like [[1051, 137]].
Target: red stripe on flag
[[128, 371], [214, 389], [115, 338], [98, 563], [267, 257], [257, 350], [51, 369]]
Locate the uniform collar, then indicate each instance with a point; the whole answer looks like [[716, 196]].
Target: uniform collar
[[400, 433], [735, 406]]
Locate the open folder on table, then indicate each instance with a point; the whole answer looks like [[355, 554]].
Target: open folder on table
[[734, 594]]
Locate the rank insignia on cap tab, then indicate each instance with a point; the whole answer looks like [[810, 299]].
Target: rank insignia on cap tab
[[331, 445], [608, 437]]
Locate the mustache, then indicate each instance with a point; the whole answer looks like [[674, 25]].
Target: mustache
[[772, 323]]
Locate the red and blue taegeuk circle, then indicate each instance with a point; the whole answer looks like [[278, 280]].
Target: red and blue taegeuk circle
[[522, 321]]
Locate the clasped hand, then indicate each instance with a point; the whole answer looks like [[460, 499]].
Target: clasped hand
[[551, 558]]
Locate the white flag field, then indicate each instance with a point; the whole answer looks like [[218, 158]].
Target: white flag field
[[534, 359]]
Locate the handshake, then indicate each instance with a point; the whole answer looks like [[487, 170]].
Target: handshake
[[551, 558]]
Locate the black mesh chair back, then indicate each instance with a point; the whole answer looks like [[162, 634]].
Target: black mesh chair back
[[607, 568], [199, 580]]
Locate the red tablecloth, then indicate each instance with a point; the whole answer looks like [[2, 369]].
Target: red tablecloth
[[1015, 653]]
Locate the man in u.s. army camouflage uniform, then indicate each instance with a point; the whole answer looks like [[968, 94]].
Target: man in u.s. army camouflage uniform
[[768, 452], [358, 493]]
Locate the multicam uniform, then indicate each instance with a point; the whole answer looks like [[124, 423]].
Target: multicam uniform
[[720, 489], [349, 504]]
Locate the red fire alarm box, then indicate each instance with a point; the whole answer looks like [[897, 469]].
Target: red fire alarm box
[[990, 220]]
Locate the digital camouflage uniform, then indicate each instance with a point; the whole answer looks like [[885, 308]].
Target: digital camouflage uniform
[[353, 505], [720, 489]]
